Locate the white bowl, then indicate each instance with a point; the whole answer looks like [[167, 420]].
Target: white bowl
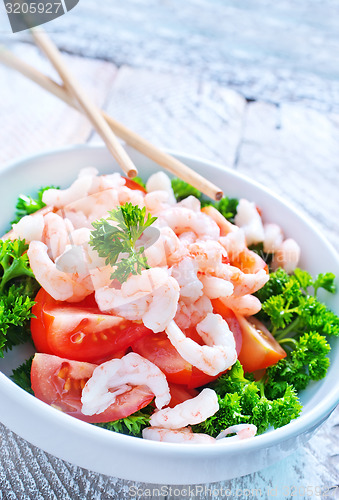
[[132, 458]]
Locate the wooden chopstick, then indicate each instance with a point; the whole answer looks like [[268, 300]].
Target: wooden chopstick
[[163, 159], [86, 104]]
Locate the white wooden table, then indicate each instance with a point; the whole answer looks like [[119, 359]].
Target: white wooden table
[[281, 129]]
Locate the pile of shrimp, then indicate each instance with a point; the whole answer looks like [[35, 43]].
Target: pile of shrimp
[[193, 258]]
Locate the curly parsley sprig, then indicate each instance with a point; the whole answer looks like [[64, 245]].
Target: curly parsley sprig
[[115, 239], [243, 400], [27, 205], [300, 323], [17, 289]]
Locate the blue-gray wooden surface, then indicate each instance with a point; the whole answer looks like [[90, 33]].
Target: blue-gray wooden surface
[[250, 84]]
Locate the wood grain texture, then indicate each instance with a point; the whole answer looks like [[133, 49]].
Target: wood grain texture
[[290, 148], [266, 50], [33, 120]]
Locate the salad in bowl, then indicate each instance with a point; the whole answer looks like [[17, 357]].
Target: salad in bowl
[[159, 314]]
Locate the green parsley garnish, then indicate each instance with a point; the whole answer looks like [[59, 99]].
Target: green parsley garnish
[[22, 375], [118, 235], [242, 400], [26, 205], [17, 289], [132, 425], [226, 206], [300, 323]]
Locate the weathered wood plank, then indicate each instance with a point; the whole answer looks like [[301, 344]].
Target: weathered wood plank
[[272, 51], [185, 114], [295, 151], [32, 119]]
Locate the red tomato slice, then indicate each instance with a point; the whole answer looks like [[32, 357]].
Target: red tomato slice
[[59, 383], [134, 185], [231, 319], [180, 393], [259, 348], [80, 331], [158, 349]]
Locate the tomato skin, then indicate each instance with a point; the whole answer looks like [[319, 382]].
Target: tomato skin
[[259, 349], [81, 331], [135, 186], [59, 382], [180, 393], [158, 349]]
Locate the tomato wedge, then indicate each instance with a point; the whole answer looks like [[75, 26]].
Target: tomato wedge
[[158, 349], [59, 383], [134, 185], [81, 331], [259, 348], [180, 393]]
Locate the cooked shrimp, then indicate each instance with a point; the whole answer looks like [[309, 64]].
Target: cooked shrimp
[[246, 305], [156, 201], [185, 272], [56, 234], [103, 182], [234, 243], [190, 412], [182, 219], [187, 237], [30, 228], [84, 211], [225, 226], [207, 254], [190, 314], [166, 250], [185, 435], [287, 256], [161, 182], [243, 283], [190, 202], [248, 218], [133, 196], [151, 296], [59, 198], [242, 431], [216, 287], [85, 259], [59, 284], [273, 237], [118, 376], [219, 352]]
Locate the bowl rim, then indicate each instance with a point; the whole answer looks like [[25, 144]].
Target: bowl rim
[[270, 438]]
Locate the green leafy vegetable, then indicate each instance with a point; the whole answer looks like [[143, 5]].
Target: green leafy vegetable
[[182, 189], [17, 289], [13, 261], [27, 205], [22, 375], [300, 323], [242, 400], [118, 234], [132, 425], [226, 206]]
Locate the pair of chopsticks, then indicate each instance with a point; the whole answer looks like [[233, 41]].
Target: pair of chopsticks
[[72, 93]]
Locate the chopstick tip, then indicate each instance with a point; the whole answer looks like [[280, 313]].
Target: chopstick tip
[[132, 173], [219, 195]]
